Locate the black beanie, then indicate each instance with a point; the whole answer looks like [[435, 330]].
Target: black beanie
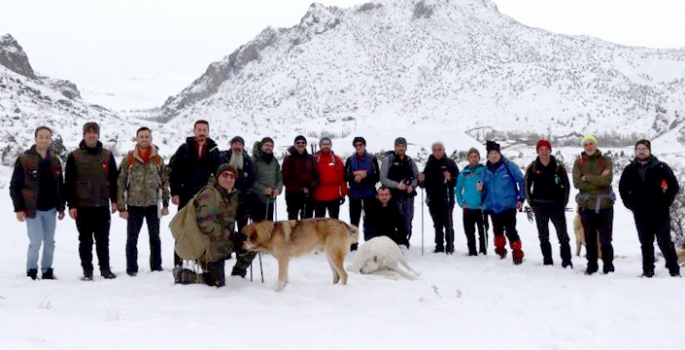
[[300, 138], [237, 139], [644, 142], [358, 139], [492, 146], [91, 126]]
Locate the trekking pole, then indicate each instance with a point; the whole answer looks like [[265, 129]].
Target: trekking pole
[[422, 203], [449, 234]]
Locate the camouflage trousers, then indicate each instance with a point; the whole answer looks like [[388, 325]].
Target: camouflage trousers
[[213, 272]]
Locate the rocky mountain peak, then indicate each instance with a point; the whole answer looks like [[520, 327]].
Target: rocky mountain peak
[[13, 57]]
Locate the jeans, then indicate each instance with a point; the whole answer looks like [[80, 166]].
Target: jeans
[[41, 230]]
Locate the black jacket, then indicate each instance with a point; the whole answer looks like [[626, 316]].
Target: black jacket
[[387, 221], [547, 185], [188, 174], [649, 188], [246, 177], [436, 186], [37, 183]]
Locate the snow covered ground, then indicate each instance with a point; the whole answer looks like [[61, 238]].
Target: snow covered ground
[[459, 302]]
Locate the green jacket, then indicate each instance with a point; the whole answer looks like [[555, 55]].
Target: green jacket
[[267, 172], [216, 211], [595, 190], [139, 183]]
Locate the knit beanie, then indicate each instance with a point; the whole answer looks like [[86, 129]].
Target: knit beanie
[[588, 138], [224, 168], [543, 143], [91, 126], [473, 150], [644, 142], [237, 139], [300, 138], [492, 146], [400, 141]]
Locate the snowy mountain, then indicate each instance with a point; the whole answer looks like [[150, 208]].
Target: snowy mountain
[[28, 100], [434, 63]]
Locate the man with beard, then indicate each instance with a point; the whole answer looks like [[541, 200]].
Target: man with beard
[[332, 188], [90, 184], [400, 174], [547, 190], [648, 188], [238, 158], [191, 167], [141, 180], [385, 219], [439, 178], [300, 179], [268, 182], [592, 176]]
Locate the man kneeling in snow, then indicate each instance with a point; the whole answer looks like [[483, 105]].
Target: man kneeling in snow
[[385, 218]]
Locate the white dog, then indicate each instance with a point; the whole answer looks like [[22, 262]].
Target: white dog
[[380, 256]]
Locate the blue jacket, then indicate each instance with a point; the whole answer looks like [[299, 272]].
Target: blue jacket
[[367, 187], [503, 186], [466, 191]]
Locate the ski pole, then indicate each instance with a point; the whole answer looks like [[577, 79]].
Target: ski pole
[[422, 203]]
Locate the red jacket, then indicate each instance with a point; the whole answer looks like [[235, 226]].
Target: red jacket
[[332, 184]]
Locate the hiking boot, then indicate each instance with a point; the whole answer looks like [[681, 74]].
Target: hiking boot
[[473, 253], [566, 264], [87, 276], [449, 249], [107, 274], [157, 269], [48, 275], [132, 273], [547, 262], [502, 252], [439, 249], [33, 273], [591, 270], [354, 247], [674, 273], [608, 268], [517, 256], [647, 274]]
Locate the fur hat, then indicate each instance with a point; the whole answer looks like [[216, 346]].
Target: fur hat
[[91, 126], [492, 146], [543, 143]]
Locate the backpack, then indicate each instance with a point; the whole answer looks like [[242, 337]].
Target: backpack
[[191, 243]]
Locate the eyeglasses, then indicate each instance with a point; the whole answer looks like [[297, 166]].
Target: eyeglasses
[[228, 175]]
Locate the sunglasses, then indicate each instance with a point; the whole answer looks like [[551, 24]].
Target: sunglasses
[[228, 175]]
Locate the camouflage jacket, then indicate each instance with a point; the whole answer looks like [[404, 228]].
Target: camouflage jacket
[[139, 182], [217, 211]]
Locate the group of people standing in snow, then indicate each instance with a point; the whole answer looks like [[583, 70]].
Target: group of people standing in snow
[[230, 188]]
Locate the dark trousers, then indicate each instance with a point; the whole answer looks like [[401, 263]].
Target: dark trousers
[[649, 227], [356, 207], [333, 208], [601, 224], [504, 223], [177, 259], [473, 219], [406, 205], [558, 216], [299, 206], [441, 213], [261, 211], [136, 215], [93, 225]]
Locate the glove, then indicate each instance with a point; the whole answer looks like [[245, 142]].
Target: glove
[[342, 200]]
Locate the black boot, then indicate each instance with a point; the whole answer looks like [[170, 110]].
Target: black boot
[[439, 249], [49, 275], [566, 263], [87, 275], [107, 274], [33, 273], [648, 274], [609, 267], [547, 261]]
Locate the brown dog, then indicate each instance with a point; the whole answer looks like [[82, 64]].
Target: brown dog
[[286, 239], [579, 230]]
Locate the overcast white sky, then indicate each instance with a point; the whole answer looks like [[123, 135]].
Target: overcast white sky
[[135, 53]]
